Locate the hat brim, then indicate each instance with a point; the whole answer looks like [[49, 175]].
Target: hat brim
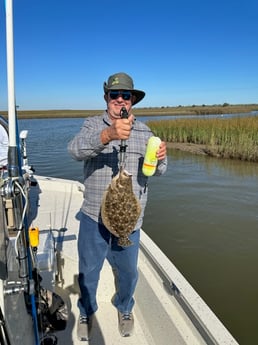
[[138, 94]]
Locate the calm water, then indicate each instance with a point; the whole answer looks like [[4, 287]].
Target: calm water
[[203, 214]]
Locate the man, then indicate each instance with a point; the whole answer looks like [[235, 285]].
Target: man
[[98, 145]]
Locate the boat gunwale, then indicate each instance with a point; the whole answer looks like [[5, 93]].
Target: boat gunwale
[[205, 321]]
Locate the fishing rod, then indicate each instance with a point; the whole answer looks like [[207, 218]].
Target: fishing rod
[[14, 194], [123, 146]]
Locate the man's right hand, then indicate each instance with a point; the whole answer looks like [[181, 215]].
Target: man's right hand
[[119, 130]]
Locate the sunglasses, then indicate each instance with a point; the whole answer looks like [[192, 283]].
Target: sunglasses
[[126, 95]]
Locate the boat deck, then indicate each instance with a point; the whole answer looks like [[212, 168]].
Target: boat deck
[[147, 330], [164, 313]]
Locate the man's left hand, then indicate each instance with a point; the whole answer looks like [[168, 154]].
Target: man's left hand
[[162, 151]]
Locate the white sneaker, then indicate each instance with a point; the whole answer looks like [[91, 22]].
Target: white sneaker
[[84, 326], [125, 324]]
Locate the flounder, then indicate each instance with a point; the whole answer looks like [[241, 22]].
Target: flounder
[[120, 209]]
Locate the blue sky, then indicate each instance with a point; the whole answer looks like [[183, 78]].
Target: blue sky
[[179, 52]]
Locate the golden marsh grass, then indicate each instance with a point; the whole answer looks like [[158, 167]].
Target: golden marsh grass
[[235, 138]]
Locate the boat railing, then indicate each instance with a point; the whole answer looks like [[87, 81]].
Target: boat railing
[[204, 320]]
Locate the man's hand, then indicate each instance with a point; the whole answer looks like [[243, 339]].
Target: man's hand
[[162, 151], [119, 130]]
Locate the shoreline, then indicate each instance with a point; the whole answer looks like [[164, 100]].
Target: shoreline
[[197, 149], [150, 111]]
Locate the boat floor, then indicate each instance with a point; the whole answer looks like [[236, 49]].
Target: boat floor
[[105, 324], [160, 318], [148, 329], [59, 203]]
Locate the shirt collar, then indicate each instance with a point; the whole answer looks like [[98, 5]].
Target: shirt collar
[[106, 118]]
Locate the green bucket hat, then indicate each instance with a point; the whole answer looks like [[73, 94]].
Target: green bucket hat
[[122, 81]]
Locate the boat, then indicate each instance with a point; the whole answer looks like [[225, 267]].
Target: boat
[[39, 218], [167, 310]]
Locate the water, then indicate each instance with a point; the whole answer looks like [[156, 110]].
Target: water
[[47, 146], [202, 213]]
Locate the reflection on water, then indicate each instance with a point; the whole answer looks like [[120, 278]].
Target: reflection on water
[[202, 213]]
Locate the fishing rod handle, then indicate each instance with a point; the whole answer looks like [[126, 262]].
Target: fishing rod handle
[[123, 115]]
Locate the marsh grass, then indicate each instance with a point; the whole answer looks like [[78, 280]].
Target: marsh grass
[[235, 138]]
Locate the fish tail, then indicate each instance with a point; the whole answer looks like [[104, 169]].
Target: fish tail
[[124, 242]]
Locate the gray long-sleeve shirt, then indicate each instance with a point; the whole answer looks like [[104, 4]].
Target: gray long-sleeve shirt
[[101, 162]]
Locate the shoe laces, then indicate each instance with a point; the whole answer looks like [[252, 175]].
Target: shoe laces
[[127, 316], [84, 319]]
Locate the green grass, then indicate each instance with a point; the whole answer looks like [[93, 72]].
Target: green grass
[[235, 138]]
